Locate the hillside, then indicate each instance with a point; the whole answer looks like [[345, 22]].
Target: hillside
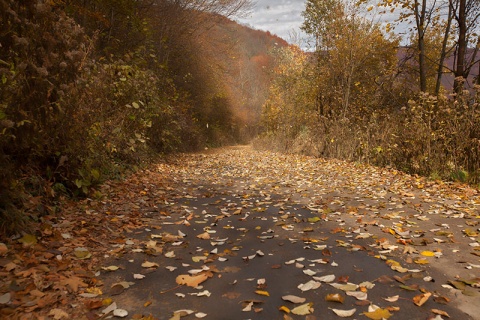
[[242, 61]]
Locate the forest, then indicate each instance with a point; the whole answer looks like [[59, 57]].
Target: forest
[[94, 89], [368, 95]]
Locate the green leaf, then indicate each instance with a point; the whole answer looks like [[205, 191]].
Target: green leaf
[[28, 240], [95, 174]]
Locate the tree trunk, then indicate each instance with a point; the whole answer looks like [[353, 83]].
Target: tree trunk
[[420, 21], [462, 46], [443, 53]]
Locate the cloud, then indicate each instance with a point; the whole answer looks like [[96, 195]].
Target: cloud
[[280, 17]]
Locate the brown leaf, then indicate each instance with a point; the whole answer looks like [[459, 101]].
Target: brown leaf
[[93, 304], [384, 279], [421, 299], [441, 299], [440, 312], [193, 281], [116, 289], [335, 297], [73, 282], [231, 295]]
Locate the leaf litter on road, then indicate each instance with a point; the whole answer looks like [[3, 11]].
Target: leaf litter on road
[[306, 220]]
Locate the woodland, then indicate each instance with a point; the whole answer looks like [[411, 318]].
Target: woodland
[[94, 89], [158, 160]]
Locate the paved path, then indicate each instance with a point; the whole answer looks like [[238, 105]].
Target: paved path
[[252, 227]]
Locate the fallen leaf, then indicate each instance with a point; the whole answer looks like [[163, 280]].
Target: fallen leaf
[[421, 261], [148, 264], [5, 298], [293, 299], [378, 314], [73, 282], [357, 294], [428, 253], [284, 309], [327, 279], [303, 310], [204, 236], [248, 307], [344, 313], [110, 268], [262, 293], [421, 299], [28, 240], [82, 253], [440, 312], [192, 281], [345, 287], [335, 297], [121, 313], [3, 249], [309, 285], [392, 299], [110, 308], [58, 314], [93, 304]]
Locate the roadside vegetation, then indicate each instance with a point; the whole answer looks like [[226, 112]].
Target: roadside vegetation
[[90, 89], [362, 96]]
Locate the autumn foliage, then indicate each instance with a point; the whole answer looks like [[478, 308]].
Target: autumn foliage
[[357, 98], [90, 88]]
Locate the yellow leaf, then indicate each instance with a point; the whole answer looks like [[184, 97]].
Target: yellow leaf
[[378, 314], [28, 240], [284, 309], [392, 263], [428, 253], [262, 293], [421, 261], [94, 290], [82, 253]]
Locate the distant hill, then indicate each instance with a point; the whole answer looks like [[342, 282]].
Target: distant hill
[[243, 57], [405, 53]]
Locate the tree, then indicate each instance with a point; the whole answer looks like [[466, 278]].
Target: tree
[[427, 16]]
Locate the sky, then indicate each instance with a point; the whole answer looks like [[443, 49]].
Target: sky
[[284, 18], [280, 17]]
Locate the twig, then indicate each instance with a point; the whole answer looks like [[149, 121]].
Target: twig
[[171, 289]]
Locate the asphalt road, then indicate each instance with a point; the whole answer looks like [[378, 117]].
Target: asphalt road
[[276, 222]]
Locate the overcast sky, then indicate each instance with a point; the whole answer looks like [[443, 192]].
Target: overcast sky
[[284, 18], [280, 17]]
